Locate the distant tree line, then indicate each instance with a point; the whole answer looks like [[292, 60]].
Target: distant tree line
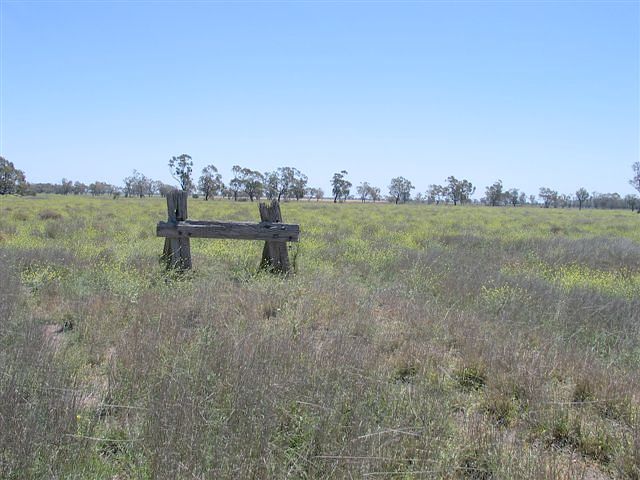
[[68, 187], [288, 183], [497, 195], [139, 185]]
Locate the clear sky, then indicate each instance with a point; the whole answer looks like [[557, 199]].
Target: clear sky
[[536, 93]]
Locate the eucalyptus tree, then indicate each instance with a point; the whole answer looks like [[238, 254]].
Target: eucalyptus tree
[[181, 168], [549, 197], [494, 194], [436, 193], [459, 190], [253, 183], [210, 183], [375, 194], [12, 180], [310, 192], [137, 184], [400, 189], [285, 182], [363, 190], [513, 196], [341, 187], [235, 185], [522, 199], [582, 195], [79, 188], [298, 184], [635, 180], [98, 188], [250, 182]]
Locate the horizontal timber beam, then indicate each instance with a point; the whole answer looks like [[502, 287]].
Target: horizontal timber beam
[[272, 232]]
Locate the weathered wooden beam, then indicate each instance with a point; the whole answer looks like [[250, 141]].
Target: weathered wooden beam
[[269, 231]]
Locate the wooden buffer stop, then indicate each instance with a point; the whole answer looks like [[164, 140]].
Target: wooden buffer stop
[[178, 231]]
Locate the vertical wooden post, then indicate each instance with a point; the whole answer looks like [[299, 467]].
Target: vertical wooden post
[[177, 251], [275, 256]]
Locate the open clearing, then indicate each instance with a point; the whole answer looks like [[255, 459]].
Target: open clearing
[[413, 342]]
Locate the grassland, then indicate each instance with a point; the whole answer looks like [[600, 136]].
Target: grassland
[[413, 342]]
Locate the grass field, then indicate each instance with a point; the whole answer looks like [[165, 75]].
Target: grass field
[[413, 342]]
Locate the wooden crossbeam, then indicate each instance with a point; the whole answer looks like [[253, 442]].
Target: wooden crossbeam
[[269, 231], [178, 231]]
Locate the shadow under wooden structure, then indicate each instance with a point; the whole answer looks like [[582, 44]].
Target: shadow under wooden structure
[[178, 231]]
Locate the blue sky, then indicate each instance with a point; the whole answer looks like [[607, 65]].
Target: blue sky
[[534, 93]]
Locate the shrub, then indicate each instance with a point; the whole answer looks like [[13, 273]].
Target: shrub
[[471, 377], [49, 215]]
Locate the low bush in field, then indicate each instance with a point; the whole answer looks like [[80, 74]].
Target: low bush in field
[[49, 215]]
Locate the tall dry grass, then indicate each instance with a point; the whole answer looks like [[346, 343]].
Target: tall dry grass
[[459, 353]]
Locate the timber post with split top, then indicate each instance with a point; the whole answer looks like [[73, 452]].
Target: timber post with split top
[[177, 231], [177, 250]]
